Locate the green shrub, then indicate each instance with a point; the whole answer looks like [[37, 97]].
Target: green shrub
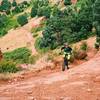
[[70, 26], [67, 2], [8, 66], [35, 35], [14, 3], [97, 44], [20, 55], [40, 8], [7, 23], [33, 59], [44, 11], [56, 11], [84, 46], [33, 11], [98, 40], [3, 32], [38, 46], [12, 23], [37, 29], [5, 6], [22, 19], [16, 10], [25, 3]]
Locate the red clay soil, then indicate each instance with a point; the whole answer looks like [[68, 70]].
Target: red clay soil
[[21, 37], [79, 83]]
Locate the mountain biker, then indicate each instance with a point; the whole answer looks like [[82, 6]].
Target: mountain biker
[[67, 51]]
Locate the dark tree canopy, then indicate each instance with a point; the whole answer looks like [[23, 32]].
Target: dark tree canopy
[[96, 16]]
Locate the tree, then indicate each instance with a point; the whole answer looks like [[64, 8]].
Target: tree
[[3, 19], [5, 6], [40, 3], [56, 11], [56, 32], [44, 11], [3, 23], [96, 16], [40, 7], [14, 3], [22, 19], [67, 25], [33, 11], [67, 2]]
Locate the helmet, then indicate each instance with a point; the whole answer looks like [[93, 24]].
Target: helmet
[[65, 44]]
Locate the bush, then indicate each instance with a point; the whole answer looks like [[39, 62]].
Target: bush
[[22, 19], [8, 66], [35, 30], [3, 20], [56, 11], [39, 47], [41, 8], [67, 26], [20, 55], [25, 3], [33, 59], [67, 2], [98, 40], [44, 11], [5, 6], [3, 32], [97, 44], [35, 35], [84, 46], [33, 11], [7, 23], [14, 3], [79, 54], [16, 10]]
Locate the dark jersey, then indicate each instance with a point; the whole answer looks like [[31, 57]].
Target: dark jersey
[[67, 49]]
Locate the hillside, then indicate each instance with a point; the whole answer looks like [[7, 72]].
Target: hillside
[[19, 37], [79, 83], [35, 40]]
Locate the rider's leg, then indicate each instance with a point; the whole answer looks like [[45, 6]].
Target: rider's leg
[[66, 63], [63, 65]]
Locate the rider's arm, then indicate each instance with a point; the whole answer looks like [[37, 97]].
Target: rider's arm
[[62, 50]]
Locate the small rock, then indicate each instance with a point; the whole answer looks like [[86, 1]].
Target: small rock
[[9, 81], [6, 90], [22, 77], [31, 98], [15, 80], [29, 92], [12, 83], [97, 79], [65, 98], [89, 90]]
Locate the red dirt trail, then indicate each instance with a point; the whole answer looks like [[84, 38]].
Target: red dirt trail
[[79, 83]]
